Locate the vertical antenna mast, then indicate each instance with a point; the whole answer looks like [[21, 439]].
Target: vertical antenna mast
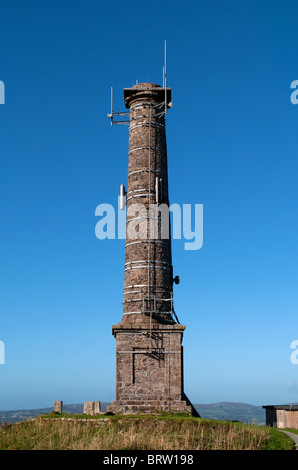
[[165, 76], [112, 114], [112, 106]]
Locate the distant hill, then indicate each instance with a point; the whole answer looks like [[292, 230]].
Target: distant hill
[[235, 411], [223, 411]]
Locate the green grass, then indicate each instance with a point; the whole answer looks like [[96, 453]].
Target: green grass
[[279, 441], [157, 416], [139, 432]]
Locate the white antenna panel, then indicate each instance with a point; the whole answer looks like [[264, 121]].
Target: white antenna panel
[[122, 197]]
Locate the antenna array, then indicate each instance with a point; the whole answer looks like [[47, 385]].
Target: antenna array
[[125, 114]]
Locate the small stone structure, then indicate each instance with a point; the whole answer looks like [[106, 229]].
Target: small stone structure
[[282, 416], [92, 408], [58, 406]]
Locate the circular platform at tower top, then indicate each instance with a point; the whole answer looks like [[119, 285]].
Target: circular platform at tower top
[[143, 91]]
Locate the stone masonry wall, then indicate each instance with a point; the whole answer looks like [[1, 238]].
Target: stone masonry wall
[[155, 374], [148, 263]]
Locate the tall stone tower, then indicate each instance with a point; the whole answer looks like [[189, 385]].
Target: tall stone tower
[[149, 352]]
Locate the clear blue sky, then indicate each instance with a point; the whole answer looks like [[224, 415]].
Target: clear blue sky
[[232, 146]]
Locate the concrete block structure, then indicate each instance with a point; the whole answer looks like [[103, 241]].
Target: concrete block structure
[[58, 406], [282, 416], [149, 352], [91, 408]]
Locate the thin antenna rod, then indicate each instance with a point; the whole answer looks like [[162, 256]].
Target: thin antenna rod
[[112, 110], [165, 65], [165, 77]]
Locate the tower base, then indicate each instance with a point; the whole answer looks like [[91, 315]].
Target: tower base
[[149, 376], [149, 406]]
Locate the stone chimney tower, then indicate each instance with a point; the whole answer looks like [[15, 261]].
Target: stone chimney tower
[[149, 352]]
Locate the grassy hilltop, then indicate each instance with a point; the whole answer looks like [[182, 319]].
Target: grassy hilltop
[[163, 432]]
